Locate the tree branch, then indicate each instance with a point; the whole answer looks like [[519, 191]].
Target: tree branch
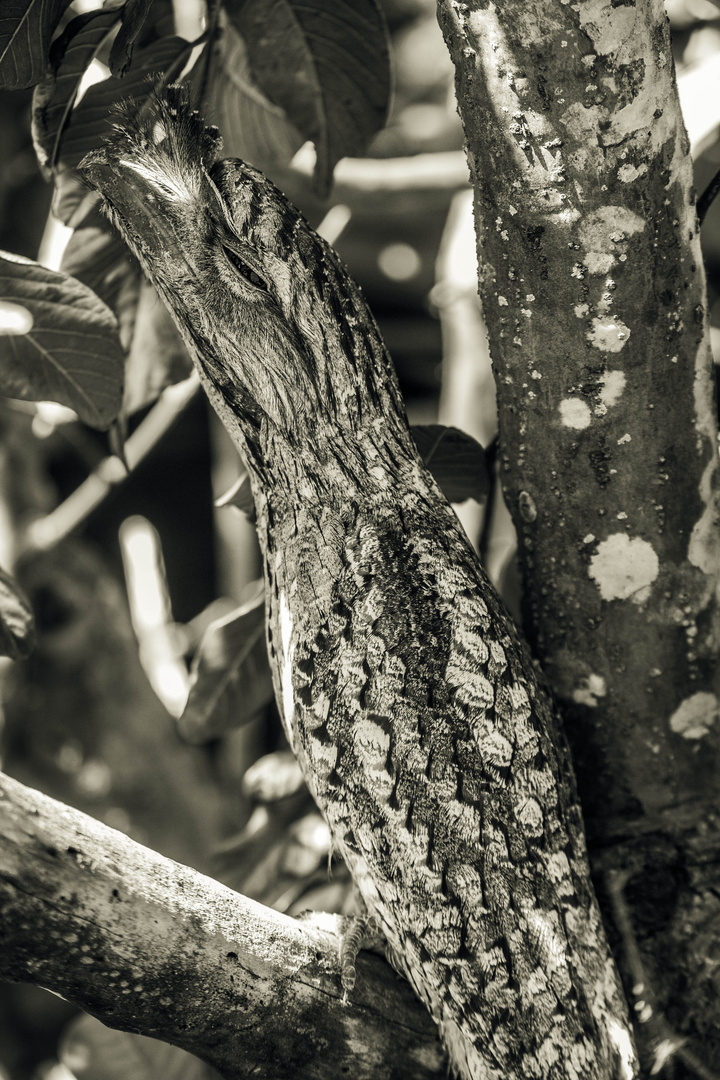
[[150, 946]]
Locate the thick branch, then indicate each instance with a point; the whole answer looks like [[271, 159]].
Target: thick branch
[[150, 946]]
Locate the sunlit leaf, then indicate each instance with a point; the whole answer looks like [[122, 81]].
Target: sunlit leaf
[[71, 354], [326, 63], [456, 460], [17, 626], [26, 29], [92, 1051], [251, 126], [272, 777], [230, 677], [54, 97]]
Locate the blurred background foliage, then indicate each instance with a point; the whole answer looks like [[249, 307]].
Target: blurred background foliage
[[128, 575]]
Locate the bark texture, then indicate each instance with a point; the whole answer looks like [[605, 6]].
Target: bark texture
[[594, 294], [149, 946], [407, 695]]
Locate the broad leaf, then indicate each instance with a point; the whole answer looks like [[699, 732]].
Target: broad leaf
[[455, 459], [98, 257], [70, 350], [230, 676], [326, 63], [17, 626], [252, 127], [92, 1051], [133, 16], [72, 201], [26, 30], [54, 97], [157, 357], [92, 119]]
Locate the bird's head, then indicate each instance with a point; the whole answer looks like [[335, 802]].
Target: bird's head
[[270, 314]]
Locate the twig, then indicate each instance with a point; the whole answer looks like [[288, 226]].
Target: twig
[[151, 613], [708, 197], [46, 532], [666, 1043]]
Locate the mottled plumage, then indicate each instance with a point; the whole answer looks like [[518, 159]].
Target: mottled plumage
[[407, 695]]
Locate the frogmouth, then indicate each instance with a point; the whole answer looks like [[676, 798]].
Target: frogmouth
[[406, 693]]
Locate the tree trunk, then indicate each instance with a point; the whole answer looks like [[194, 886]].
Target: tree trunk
[[594, 294]]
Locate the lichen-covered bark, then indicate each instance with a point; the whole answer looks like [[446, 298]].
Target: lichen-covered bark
[[150, 946], [593, 289]]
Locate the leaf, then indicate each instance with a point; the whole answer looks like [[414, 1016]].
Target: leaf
[[70, 353], [157, 357], [252, 127], [54, 97], [134, 14], [87, 125], [17, 625], [26, 30], [72, 201], [230, 675], [326, 63], [98, 257], [456, 460], [92, 1051], [89, 122], [273, 777]]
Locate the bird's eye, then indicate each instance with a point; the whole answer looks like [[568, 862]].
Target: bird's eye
[[244, 270]]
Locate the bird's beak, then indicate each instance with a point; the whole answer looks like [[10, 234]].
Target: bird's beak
[[144, 210]]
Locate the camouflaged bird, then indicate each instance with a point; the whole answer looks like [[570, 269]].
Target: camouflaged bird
[[407, 695]]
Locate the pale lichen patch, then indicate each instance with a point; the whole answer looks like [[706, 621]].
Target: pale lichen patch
[[589, 690], [607, 26], [613, 386], [628, 173], [599, 262], [575, 413], [694, 717], [609, 226], [624, 568], [609, 335]]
